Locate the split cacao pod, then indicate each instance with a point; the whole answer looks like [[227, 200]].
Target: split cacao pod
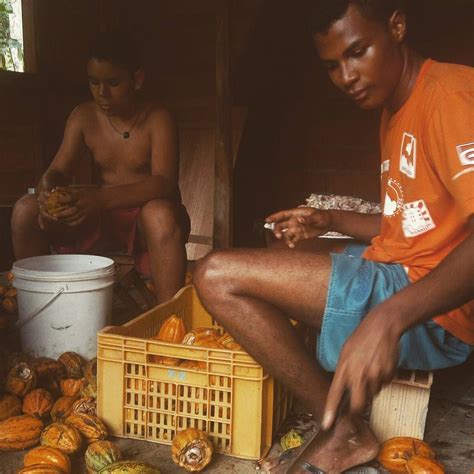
[[422, 465], [10, 405], [45, 455], [101, 454], [53, 202], [38, 402], [21, 379], [192, 450], [395, 452], [73, 363], [129, 467], [61, 436], [20, 432], [85, 405], [62, 408], [91, 427]]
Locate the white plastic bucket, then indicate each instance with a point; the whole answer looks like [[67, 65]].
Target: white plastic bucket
[[63, 300]]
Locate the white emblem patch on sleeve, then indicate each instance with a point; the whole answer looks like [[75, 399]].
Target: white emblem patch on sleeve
[[416, 219]]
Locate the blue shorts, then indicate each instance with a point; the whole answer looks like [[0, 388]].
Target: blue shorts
[[356, 286]]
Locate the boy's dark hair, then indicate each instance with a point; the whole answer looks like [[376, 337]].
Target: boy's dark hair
[[325, 12], [117, 47]]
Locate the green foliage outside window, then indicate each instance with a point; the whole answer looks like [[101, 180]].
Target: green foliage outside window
[[11, 50]]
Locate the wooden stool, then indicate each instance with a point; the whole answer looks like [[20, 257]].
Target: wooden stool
[[129, 286], [400, 408]]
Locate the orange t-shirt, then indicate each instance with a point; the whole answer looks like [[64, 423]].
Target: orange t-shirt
[[427, 172]]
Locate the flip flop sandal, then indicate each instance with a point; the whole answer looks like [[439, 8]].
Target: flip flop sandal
[[308, 467]]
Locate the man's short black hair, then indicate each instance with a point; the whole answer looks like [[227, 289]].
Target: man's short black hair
[[325, 12], [117, 47]]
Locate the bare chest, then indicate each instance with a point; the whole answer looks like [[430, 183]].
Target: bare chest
[[117, 156]]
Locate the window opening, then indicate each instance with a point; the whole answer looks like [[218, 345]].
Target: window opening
[[11, 36]]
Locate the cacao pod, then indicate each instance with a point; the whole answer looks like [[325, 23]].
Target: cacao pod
[[10, 405], [129, 467], [422, 465], [91, 427], [89, 390], [200, 333], [20, 432], [21, 379], [172, 330], [192, 450], [395, 452], [101, 454], [73, 363], [62, 408], [61, 436], [53, 202], [193, 364], [90, 371], [15, 358], [10, 305], [41, 469], [38, 402], [45, 455], [229, 343], [71, 387], [48, 369]]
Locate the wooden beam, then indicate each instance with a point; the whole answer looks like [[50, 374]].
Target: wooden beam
[[30, 38], [223, 140]]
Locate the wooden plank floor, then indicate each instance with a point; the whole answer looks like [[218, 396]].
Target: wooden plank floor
[[449, 429]]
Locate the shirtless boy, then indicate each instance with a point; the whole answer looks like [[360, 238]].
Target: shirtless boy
[[404, 298], [137, 207]]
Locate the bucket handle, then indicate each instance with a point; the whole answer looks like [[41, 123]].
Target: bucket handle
[[37, 311]]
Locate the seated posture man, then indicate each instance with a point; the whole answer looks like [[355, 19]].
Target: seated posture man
[[137, 207], [406, 299]]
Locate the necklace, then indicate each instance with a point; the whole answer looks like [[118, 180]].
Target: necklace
[[125, 134]]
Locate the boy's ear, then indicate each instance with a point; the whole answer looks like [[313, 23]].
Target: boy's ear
[[398, 26], [139, 78]]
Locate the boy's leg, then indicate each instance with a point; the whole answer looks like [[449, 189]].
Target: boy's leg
[[252, 293], [164, 228], [27, 238]]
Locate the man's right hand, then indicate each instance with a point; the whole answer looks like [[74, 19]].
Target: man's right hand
[[300, 223]]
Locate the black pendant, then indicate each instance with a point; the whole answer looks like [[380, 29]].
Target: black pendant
[[126, 135]]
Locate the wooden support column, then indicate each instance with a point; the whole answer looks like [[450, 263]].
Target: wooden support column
[[223, 140]]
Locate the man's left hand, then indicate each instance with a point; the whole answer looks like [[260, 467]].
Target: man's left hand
[[82, 204], [368, 359]]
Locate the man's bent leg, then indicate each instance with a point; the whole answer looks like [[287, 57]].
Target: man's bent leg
[[27, 238], [165, 227], [252, 293]]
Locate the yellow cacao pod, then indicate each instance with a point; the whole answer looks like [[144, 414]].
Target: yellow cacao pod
[[395, 452], [45, 455], [192, 450], [20, 432], [61, 436], [91, 427]]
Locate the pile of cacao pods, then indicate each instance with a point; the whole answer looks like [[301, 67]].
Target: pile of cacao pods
[[8, 296], [53, 403], [174, 330], [408, 455]]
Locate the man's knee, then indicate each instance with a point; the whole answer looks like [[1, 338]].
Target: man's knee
[[25, 212], [166, 219], [212, 273]]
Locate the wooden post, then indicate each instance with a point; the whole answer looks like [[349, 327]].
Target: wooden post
[[223, 140]]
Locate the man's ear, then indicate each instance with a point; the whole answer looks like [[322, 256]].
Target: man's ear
[[139, 78], [398, 26]]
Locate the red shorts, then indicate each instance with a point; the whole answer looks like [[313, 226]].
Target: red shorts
[[114, 231]]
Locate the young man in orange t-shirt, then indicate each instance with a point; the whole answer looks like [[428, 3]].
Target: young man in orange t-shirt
[[406, 299]]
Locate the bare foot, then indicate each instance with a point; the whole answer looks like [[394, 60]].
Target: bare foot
[[350, 443]]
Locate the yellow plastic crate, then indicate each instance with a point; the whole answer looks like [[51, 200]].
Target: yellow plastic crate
[[234, 400]]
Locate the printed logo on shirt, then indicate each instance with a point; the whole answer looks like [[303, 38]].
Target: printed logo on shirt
[[416, 219], [408, 155], [466, 153], [385, 167], [394, 200]]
